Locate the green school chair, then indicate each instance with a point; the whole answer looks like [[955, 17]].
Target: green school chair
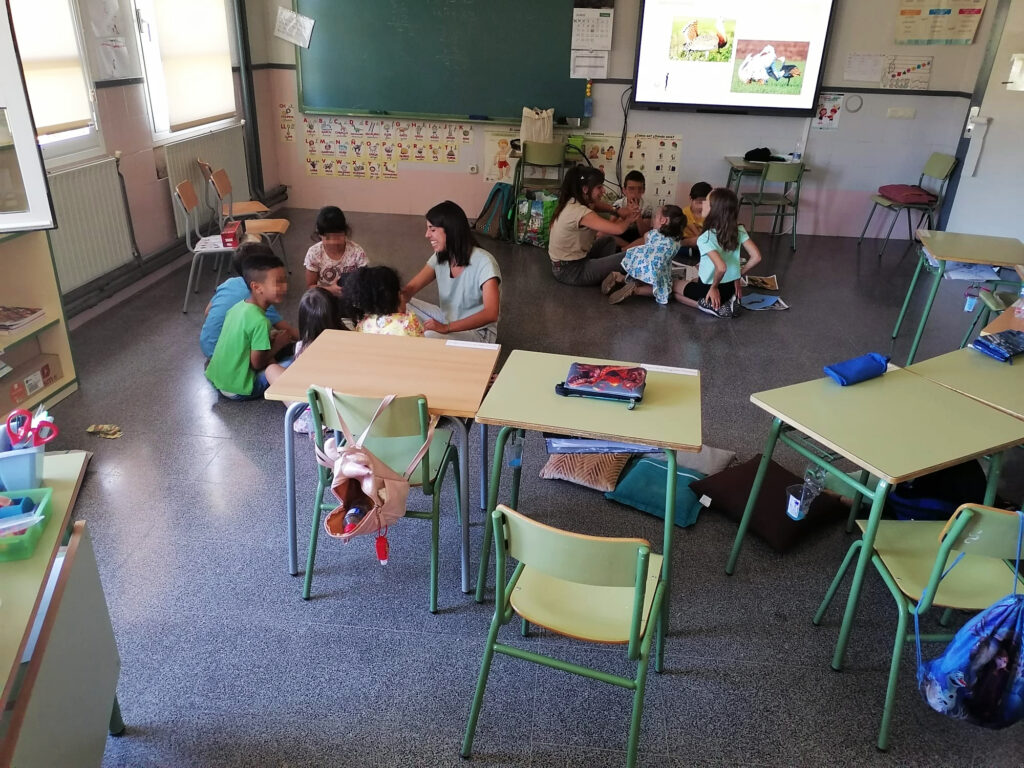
[[781, 205], [396, 437], [938, 168], [600, 590], [911, 556]]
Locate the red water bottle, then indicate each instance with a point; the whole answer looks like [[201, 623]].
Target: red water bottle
[[382, 548]]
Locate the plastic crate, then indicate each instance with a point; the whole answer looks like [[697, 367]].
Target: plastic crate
[[21, 468], [22, 547]]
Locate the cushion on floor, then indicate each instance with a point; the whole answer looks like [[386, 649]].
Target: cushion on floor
[[709, 461], [729, 489], [599, 471], [643, 487]]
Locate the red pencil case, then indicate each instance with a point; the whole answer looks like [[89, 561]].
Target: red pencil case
[[607, 382]]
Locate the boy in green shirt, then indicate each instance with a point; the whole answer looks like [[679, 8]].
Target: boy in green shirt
[[242, 364]]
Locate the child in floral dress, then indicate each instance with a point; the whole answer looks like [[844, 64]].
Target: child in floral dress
[[649, 266]]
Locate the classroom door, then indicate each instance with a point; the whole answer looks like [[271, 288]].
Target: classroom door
[[988, 201]]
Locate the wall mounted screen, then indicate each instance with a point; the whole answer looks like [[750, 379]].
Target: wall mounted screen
[[742, 56]]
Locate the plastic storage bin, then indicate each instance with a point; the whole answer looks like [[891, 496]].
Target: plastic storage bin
[[21, 468], [23, 546]]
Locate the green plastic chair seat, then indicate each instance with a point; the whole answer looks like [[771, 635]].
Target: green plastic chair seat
[[582, 611], [766, 198], [997, 301], [397, 452], [908, 548]]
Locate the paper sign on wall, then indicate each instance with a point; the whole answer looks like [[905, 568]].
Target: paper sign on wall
[[938, 22], [826, 116], [293, 27]]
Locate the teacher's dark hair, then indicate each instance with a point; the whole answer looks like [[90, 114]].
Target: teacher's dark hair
[[459, 240], [577, 185]]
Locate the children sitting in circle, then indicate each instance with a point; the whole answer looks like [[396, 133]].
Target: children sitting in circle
[[373, 301], [649, 266], [334, 254], [717, 290]]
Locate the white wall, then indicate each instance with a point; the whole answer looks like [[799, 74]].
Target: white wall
[[989, 202]]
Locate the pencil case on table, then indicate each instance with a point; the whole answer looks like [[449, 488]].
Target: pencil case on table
[[858, 369], [1003, 346], [605, 382]]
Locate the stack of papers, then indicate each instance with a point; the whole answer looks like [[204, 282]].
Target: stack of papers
[[13, 318]]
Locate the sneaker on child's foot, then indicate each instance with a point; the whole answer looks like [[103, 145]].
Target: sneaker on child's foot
[[734, 306], [303, 423], [624, 292], [705, 306], [611, 280]]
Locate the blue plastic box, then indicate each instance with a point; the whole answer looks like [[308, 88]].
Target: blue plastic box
[[21, 469]]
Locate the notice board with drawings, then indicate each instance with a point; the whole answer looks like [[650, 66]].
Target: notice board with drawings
[[454, 59]]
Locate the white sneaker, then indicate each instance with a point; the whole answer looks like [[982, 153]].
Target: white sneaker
[[304, 423]]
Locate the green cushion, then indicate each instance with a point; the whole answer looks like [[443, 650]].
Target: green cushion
[[643, 487]]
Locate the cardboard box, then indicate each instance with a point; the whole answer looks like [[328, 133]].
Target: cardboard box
[[28, 378], [231, 235]]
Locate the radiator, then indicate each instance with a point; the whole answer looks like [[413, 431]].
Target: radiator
[[92, 236], [221, 149]]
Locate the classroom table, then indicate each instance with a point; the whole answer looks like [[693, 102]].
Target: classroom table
[[978, 376], [738, 168], [452, 375], [896, 427], [1007, 320], [951, 246], [523, 398]]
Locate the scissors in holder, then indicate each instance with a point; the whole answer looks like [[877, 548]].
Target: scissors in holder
[[24, 431]]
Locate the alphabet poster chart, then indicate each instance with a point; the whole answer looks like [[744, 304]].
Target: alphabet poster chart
[[655, 155], [368, 148], [286, 122], [907, 73], [938, 22]]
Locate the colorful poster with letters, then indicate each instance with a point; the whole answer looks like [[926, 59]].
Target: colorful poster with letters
[[938, 22]]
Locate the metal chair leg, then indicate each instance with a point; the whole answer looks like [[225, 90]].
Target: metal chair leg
[[891, 225], [872, 213]]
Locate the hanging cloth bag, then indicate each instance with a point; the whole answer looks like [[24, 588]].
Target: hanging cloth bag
[[980, 675], [361, 480], [537, 125]]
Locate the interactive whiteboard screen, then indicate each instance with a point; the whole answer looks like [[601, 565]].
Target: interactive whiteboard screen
[[743, 56]]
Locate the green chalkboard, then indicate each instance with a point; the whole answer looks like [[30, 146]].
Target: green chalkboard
[[450, 58]]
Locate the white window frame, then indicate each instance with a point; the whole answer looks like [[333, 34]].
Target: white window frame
[[149, 52], [75, 146]]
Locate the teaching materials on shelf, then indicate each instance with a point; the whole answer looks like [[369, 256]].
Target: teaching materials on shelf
[[14, 318]]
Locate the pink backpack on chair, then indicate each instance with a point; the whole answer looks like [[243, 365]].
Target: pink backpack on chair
[[362, 480]]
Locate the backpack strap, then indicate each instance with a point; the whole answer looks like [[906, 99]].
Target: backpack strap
[[423, 448]]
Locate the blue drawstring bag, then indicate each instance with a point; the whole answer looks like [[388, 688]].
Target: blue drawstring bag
[[980, 675]]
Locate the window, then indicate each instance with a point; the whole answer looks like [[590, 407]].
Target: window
[[185, 49], [59, 87]]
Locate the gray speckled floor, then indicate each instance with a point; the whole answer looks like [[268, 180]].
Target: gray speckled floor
[[224, 665]]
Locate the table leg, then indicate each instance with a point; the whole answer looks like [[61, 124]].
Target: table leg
[[461, 430], [995, 467], [755, 490], [290, 415], [927, 310], [866, 551], [492, 502], [116, 727], [666, 550], [483, 469], [910, 292]]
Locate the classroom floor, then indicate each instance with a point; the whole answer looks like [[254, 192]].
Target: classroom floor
[[224, 665]]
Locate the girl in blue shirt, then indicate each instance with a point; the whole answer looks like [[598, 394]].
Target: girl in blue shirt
[[717, 290]]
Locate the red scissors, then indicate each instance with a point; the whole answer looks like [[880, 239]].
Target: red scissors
[[24, 433]]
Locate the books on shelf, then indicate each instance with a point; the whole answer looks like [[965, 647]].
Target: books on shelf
[[1003, 346], [14, 318], [564, 444]]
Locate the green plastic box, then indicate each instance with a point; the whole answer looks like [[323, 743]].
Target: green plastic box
[[22, 547]]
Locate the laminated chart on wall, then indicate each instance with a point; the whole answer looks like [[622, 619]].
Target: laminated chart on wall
[[369, 148], [498, 163], [938, 22], [286, 122], [826, 115], [907, 73], [656, 156]]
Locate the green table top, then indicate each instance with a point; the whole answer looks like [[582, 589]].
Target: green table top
[[22, 581], [973, 249], [524, 396], [898, 426], [971, 373]]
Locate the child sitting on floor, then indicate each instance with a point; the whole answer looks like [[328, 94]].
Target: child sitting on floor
[[242, 366], [318, 312], [633, 188], [334, 255], [694, 220], [717, 290], [373, 299], [649, 266], [229, 293]]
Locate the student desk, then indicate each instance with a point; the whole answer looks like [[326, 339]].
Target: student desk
[[738, 168], [978, 376], [523, 397], [950, 246], [1006, 321], [452, 375], [896, 427], [57, 650]]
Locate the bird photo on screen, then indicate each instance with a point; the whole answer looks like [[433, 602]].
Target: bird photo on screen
[[699, 39]]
